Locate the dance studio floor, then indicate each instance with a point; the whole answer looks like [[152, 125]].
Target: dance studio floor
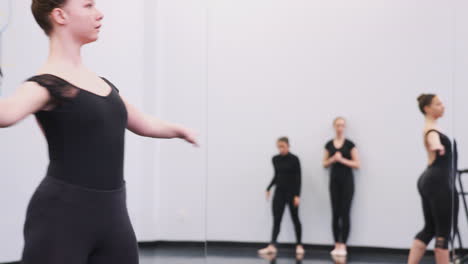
[[247, 255]]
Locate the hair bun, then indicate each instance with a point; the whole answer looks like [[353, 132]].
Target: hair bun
[[425, 100], [421, 97]]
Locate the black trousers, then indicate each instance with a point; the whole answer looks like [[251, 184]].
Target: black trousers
[[280, 200], [341, 195], [438, 204], [74, 225]]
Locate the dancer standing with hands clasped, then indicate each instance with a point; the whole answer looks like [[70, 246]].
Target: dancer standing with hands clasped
[[341, 156]]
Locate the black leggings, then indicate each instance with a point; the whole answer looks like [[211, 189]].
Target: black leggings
[[341, 196], [437, 203], [280, 200], [74, 225]]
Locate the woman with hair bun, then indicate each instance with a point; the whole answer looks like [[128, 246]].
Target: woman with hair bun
[[78, 213], [434, 185]]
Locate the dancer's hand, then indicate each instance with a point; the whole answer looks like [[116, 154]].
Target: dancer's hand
[[268, 194], [299, 258], [338, 156], [297, 201], [442, 151], [189, 136]]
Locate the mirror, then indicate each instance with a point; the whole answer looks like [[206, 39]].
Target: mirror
[[278, 68]]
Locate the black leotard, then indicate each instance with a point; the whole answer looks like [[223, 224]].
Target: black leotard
[[436, 192], [85, 133], [78, 214]]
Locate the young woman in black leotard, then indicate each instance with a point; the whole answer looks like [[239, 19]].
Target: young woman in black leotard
[[287, 180], [341, 157], [78, 213], [434, 185]]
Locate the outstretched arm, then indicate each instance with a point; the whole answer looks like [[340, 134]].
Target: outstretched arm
[[27, 99], [147, 126]]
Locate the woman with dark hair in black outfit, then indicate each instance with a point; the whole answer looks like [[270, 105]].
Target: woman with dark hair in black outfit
[[287, 179], [341, 157], [434, 185], [78, 214]]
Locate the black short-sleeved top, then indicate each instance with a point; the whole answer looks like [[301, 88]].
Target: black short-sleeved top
[[338, 168], [85, 134]]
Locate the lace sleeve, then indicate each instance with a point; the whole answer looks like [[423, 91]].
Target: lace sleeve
[[59, 89]]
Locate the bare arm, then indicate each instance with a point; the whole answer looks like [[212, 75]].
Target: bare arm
[[27, 99], [148, 126], [353, 162], [434, 144], [327, 160]]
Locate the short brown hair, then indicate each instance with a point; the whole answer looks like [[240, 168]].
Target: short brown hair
[[425, 100], [41, 10], [284, 139]]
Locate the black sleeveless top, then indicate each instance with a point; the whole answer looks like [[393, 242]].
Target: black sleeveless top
[[442, 161], [85, 134]]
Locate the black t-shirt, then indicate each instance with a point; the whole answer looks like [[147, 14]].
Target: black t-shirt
[[287, 176], [85, 133], [345, 150]]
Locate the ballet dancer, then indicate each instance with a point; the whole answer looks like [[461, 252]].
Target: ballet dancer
[[287, 179], [434, 185], [341, 156], [78, 213]]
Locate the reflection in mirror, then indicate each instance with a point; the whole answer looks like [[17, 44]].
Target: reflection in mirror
[[288, 69]]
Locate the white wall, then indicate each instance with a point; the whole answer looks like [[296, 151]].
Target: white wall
[[119, 56], [181, 77], [288, 68]]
